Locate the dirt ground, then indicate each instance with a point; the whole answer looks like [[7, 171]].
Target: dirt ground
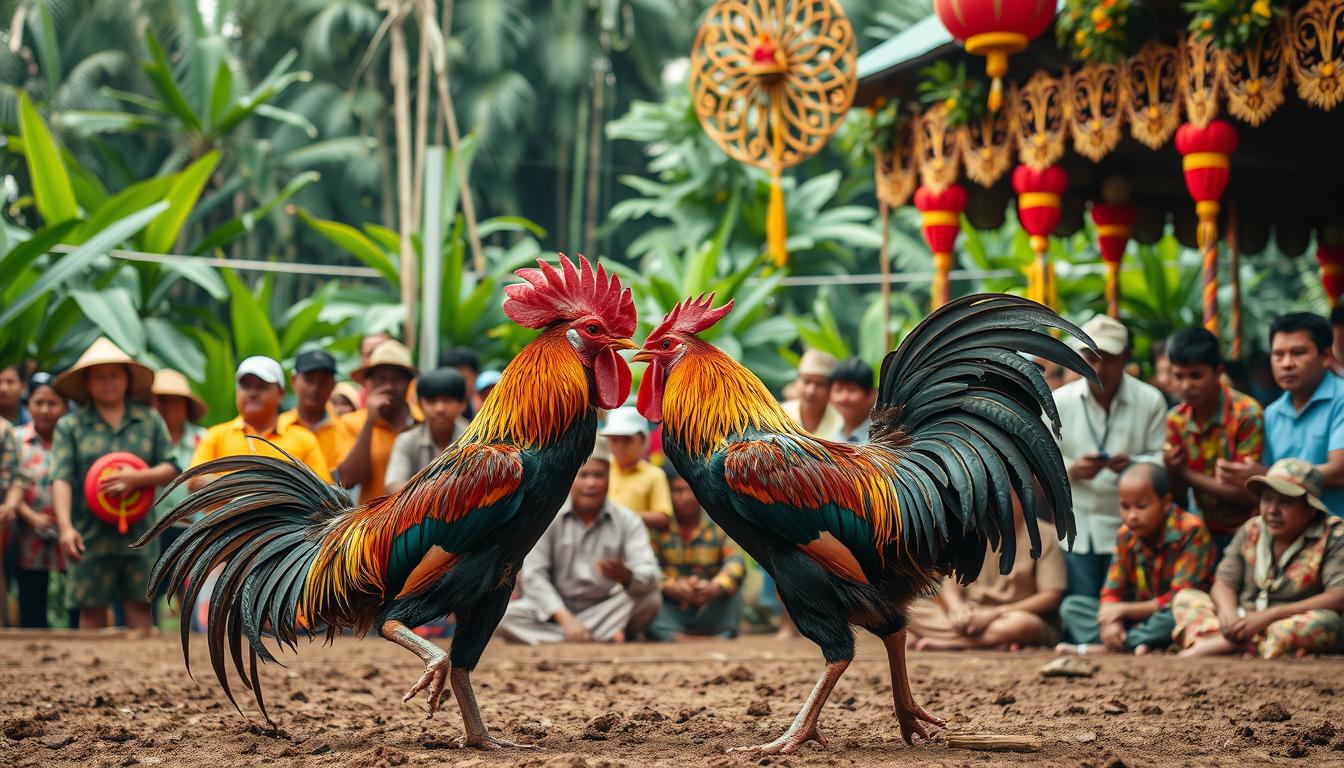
[[125, 701]]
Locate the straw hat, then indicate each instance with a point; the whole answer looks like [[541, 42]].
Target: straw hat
[[169, 382], [103, 352], [1292, 477], [817, 363], [390, 353], [350, 391]]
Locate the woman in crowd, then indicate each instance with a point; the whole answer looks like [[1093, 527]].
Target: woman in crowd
[[1279, 588]]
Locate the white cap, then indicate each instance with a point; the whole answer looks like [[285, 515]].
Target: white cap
[[1109, 334], [263, 368], [625, 421]]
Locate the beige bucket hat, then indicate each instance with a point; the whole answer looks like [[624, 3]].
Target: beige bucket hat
[[104, 352], [390, 352], [171, 383]]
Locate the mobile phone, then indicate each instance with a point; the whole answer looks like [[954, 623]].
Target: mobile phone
[[1103, 456]]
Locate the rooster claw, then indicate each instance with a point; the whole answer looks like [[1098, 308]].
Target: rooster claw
[[786, 744], [435, 681], [910, 718], [489, 742]]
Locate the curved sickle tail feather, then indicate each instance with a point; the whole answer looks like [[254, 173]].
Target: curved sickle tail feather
[[263, 522], [967, 410]]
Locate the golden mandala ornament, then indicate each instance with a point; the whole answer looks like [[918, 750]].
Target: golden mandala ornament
[[987, 144], [1254, 79], [1096, 102], [937, 148], [1318, 52], [1199, 81], [894, 168], [1042, 117], [771, 81], [1152, 94]]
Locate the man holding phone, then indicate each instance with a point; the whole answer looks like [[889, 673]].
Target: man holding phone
[[1105, 429]]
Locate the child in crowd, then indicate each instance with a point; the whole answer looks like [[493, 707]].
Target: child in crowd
[[1159, 550], [636, 484]]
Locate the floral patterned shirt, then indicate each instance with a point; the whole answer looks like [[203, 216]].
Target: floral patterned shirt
[[9, 456], [1313, 564], [1183, 560], [37, 550], [1236, 433], [709, 554]]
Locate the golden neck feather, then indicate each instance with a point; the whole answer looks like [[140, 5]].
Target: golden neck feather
[[539, 395], [709, 397]]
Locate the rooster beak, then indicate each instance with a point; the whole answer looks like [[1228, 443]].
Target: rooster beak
[[642, 356], [624, 343]]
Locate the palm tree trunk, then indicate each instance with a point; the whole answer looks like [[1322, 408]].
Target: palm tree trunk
[[422, 79], [401, 108], [455, 140]]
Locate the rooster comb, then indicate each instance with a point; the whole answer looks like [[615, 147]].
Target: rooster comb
[[691, 316], [570, 293]]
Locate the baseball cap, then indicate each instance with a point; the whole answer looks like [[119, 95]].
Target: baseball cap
[[264, 368], [1108, 334], [601, 450], [486, 379], [1292, 477], [625, 421], [314, 360]]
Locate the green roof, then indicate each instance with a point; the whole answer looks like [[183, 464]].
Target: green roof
[[905, 49]]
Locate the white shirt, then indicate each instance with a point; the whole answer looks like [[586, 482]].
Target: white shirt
[[831, 420], [1136, 425]]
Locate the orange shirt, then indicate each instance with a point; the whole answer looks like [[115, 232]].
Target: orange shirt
[[229, 439], [334, 436], [380, 453]]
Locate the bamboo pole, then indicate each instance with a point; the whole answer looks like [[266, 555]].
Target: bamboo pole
[[401, 100], [596, 119], [422, 80], [884, 269]]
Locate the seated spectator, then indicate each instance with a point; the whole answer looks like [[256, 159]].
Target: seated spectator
[[1212, 423], [314, 381], [592, 577], [102, 569], [443, 397], [997, 611], [853, 396], [703, 573], [29, 499], [485, 383], [1279, 589], [11, 396], [812, 410], [344, 398], [261, 386], [1160, 550], [467, 363], [1307, 421], [386, 377], [635, 483]]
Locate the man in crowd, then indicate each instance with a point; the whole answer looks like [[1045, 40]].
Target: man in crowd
[[367, 344], [1307, 421], [703, 572], [314, 380], [1337, 348], [592, 577], [635, 483], [812, 410], [260, 387], [443, 397], [467, 363], [1212, 423], [1161, 377], [485, 383], [386, 377], [1105, 429], [103, 570], [11, 396], [853, 396]]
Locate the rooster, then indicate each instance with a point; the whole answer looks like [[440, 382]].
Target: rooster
[[853, 534], [297, 557]]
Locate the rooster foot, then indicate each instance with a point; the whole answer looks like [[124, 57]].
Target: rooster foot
[[790, 742], [910, 716], [435, 681], [488, 742]]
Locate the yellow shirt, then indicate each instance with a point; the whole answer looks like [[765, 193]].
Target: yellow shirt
[[641, 488], [333, 435], [380, 453], [229, 439]]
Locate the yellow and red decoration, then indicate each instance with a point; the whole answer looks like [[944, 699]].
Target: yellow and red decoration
[[117, 509], [1205, 158], [1115, 222], [1331, 259], [940, 220], [994, 29], [771, 81], [1038, 209]]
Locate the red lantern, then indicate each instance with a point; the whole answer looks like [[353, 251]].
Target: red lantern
[[994, 29], [940, 219], [1114, 222], [1206, 164], [1038, 192], [1331, 259]]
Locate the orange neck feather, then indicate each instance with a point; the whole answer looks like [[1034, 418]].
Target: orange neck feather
[[709, 397], [538, 396]]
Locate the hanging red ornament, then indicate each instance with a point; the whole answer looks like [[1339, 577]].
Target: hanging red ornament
[[994, 29], [1114, 223], [940, 219], [1331, 259], [1205, 158], [1038, 209]]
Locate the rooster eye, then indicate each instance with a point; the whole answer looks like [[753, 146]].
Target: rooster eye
[[592, 329], [667, 343]]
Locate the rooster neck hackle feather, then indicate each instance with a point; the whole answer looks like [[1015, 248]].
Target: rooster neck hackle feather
[[539, 395], [710, 397]]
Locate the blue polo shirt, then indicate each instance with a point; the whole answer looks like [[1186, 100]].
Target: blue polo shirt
[[1311, 434]]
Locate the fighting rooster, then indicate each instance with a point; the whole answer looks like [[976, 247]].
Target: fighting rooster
[[297, 558], [853, 534]]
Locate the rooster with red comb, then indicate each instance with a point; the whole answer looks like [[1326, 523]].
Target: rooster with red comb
[[852, 534], [297, 557]]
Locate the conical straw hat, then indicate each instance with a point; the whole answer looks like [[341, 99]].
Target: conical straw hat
[[104, 352], [170, 382]]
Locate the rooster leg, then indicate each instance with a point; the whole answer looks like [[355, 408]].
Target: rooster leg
[[477, 734], [436, 661], [907, 711], [804, 728]]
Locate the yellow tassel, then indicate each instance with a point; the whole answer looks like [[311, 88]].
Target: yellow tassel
[[777, 225]]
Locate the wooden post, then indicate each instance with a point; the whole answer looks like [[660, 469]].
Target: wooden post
[[1234, 263], [884, 267], [401, 101]]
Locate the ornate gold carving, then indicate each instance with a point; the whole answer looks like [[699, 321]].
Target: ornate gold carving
[[1095, 94], [894, 167], [1041, 120], [771, 80], [987, 144], [1318, 52], [936, 148], [1254, 79], [1152, 94], [1199, 81]]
